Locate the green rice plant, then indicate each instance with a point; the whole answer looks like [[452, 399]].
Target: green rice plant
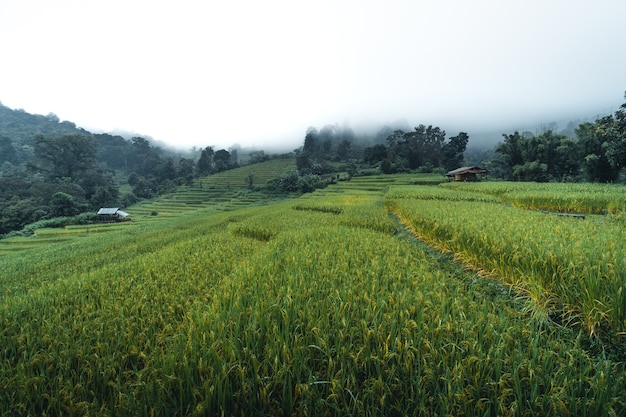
[[557, 197], [320, 208], [436, 193], [252, 231], [570, 269], [336, 314]]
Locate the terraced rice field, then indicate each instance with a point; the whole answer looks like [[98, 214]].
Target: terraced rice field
[[320, 305], [224, 191]]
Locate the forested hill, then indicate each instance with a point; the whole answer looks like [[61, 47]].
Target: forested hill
[[20, 130], [50, 168], [22, 127]]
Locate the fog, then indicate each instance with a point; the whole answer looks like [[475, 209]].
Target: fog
[[198, 73]]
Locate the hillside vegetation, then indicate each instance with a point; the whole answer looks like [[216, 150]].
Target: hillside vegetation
[[221, 192], [51, 169], [319, 305]]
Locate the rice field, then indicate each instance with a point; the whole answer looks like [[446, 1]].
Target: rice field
[[557, 197], [571, 270], [320, 305], [222, 192]]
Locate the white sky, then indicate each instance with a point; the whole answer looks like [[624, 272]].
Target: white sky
[[199, 73]]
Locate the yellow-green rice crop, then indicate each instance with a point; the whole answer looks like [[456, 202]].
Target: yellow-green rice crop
[[436, 193], [330, 313], [571, 269], [558, 197]]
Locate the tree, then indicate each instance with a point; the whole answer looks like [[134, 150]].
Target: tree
[[593, 146], [104, 197], [185, 170], [511, 150], [616, 148], [145, 188], [381, 136], [326, 147], [328, 132], [7, 151], [221, 160], [422, 146], [452, 151], [311, 142], [67, 156], [374, 154], [616, 152], [140, 156], [566, 164], [234, 155], [343, 148], [165, 170], [532, 171], [205, 163], [112, 150], [545, 157], [287, 182], [304, 164], [387, 167], [62, 204], [257, 156]]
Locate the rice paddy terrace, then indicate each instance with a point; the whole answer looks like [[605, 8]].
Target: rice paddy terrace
[[325, 304], [224, 191]]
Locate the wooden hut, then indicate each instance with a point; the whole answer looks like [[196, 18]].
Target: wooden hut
[[466, 173], [112, 214]]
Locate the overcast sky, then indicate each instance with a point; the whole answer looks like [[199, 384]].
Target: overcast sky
[[199, 73]]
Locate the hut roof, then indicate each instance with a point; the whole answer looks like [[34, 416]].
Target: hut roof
[[466, 170], [108, 210], [112, 211]]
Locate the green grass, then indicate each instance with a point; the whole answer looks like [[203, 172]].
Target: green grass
[[320, 305]]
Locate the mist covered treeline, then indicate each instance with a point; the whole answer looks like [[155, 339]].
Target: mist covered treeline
[[390, 150], [335, 153], [592, 151], [596, 152]]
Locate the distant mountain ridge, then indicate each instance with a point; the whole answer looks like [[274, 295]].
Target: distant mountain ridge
[[22, 127]]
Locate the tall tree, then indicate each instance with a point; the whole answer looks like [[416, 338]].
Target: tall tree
[[566, 164], [205, 163], [453, 150], [343, 148], [186, 168], [616, 148], [67, 156], [422, 146], [374, 154], [63, 204], [511, 151], [311, 142], [221, 160], [7, 151], [592, 139]]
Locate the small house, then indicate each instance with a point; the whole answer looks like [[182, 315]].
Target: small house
[[112, 214], [466, 174]]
